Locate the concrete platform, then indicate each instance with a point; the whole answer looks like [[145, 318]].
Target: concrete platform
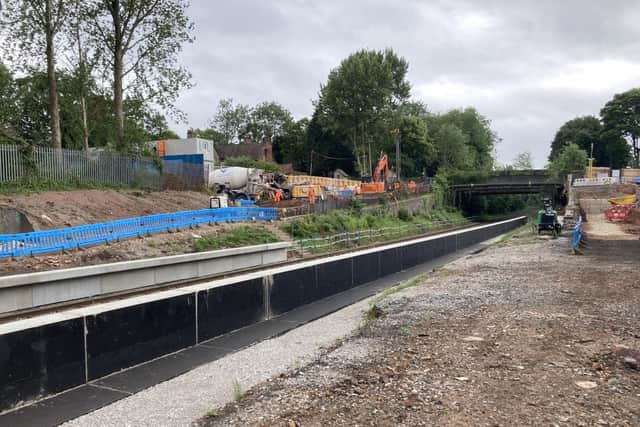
[[26, 291]]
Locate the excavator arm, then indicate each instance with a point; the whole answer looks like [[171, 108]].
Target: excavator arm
[[382, 166]]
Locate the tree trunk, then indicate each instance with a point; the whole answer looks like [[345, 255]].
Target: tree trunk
[[636, 152], [54, 112], [356, 152], [85, 126], [82, 71], [118, 69]]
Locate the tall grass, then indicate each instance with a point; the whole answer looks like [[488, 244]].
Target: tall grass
[[242, 235], [335, 222]]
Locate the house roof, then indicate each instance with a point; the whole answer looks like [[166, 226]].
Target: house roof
[[253, 151]]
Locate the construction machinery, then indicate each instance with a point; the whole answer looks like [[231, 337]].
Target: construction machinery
[[381, 175], [548, 219]]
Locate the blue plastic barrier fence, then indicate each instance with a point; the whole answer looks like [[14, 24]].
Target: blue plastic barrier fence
[[14, 245], [577, 234]]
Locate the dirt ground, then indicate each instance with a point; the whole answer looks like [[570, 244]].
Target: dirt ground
[[520, 334], [59, 209]]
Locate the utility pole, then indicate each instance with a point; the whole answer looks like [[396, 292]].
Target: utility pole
[[591, 159], [396, 133]]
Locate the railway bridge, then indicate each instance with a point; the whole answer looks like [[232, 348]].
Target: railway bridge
[[511, 182]]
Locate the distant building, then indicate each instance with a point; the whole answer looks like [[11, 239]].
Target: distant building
[[186, 146], [189, 156], [248, 148]]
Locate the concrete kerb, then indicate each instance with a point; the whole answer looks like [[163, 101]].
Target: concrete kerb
[[24, 291]]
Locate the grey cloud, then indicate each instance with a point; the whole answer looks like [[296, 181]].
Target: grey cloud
[[527, 65]]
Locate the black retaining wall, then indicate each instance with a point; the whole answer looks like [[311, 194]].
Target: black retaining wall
[[48, 359]]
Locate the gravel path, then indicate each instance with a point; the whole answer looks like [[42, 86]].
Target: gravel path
[[519, 334], [179, 401]]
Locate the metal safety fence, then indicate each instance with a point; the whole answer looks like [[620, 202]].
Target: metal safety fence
[[79, 167], [370, 235], [14, 245]]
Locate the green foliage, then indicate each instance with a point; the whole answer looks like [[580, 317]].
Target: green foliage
[[268, 119], [488, 206], [621, 117], [238, 394], [440, 190], [246, 162], [473, 133], [140, 41], [571, 158], [452, 149], [609, 149], [367, 86], [290, 145], [210, 134], [242, 235], [337, 221], [231, 120], [523, 161], [404, 214], [417, 151]]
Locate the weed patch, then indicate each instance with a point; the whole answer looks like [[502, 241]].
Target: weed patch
[[242, 235]]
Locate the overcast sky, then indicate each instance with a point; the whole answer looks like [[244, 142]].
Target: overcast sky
[[528, 66]]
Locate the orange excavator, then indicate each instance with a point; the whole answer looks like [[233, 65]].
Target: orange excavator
[[377, 184]]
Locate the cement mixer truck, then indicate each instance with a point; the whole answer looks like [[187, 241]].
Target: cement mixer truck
[[244, 183]]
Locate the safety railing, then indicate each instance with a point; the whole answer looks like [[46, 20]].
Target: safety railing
[[370, 235], [14, 245]]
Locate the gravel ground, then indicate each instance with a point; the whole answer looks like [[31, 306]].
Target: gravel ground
[[179, 401], [520, 334]]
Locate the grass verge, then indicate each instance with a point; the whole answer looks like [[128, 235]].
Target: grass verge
[[368, 228], [242, 235]]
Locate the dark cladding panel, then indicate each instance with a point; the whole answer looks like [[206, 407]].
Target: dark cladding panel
[[125, 337], [291, 289], [438, 247], [428, 251], [412, 255], [333, 277], [366, 268], [390, 262], [227, 308], [449, 244], [41, 361]]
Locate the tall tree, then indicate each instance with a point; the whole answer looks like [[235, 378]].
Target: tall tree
[[366, 87], [231, 120], [621, 116], [289, 145], [32, 30], [417, 151], [523, 161], [582, 131], [8, 106], [141, 41], [268, 120], [571, 158], [452, 148], [480, 138]]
